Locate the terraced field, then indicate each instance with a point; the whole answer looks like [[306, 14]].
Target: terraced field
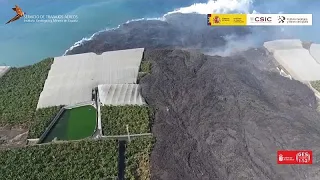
[[76, 160], [116, 118], [41, 121], [20, 89], [316, 85], [138, 158]]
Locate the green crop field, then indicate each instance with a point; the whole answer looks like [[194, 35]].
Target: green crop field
[[76, 160], [41, 121], [115, 118], [138, 158], [145, 66], [316, 85], [20, 89]]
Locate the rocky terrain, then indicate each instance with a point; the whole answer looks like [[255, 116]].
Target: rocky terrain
[[176, 31], [226, 117], [12, 137]]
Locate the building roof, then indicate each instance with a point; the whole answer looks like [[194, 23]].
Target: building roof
[[120, 94], [4, 70], [315, 52], [282, 44], [299, 63], [72, 78]]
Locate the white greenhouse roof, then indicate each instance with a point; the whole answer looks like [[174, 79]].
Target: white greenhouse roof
[[4, 70], [72, 78], [315, 52], [299, 63], [283, 44], [120, 94]]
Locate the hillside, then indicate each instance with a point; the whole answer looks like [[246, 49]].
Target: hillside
[[226, 117], [19, 93], [215, 118], [72, 144], [177, 31]]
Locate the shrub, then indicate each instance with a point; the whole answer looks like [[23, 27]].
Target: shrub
[[115, 118], [145, 66], [138, 158], [140, 76], [76, 160], [20, 89], [41, 120], [316, 85]]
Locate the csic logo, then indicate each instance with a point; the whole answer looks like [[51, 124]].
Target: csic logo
[[217, 19], [281, 19], [261, 19]]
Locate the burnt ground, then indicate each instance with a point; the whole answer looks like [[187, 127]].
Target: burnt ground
[[217, 117], [226, 117], [177, 31], [12, 137]]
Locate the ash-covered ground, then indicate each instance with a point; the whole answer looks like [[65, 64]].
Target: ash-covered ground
[[175, 31], [226, 117]]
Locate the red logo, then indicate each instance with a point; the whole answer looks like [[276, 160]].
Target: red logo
[[294, 157], [216, 19]]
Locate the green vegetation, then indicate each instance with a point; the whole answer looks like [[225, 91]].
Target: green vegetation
[[316, 85], [20, 89], [74, 124], [76, 160], [41, 121], [140, 76], [138, 158], [145, 66], [115, 118]]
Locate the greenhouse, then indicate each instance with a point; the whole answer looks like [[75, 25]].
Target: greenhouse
[[120, 94], [299, 63], [3, 70], [282, 44], [72, 78], [315, 52]]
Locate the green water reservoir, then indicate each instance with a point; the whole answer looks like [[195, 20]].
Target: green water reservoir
[[74, 124]]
